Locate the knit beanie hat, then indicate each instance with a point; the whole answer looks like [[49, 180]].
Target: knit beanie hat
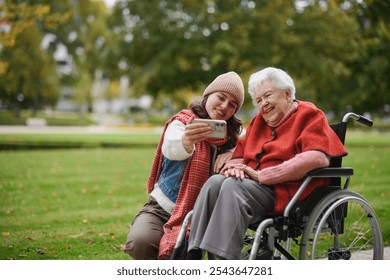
[[229, 83]]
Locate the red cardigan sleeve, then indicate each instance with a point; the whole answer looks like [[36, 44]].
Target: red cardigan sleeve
[[316, 134]]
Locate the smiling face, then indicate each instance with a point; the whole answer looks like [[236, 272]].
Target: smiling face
[[273, 103], [221, 106]]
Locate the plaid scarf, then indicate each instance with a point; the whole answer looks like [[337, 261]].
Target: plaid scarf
[[195, 175]]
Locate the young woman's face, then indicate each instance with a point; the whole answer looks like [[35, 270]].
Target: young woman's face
[[272, 103], [221, 106]]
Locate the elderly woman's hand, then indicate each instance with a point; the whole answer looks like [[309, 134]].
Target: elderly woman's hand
[[241, 171], [235, 171], [250, 173]]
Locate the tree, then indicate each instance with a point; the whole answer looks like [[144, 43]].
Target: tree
[[172, 45], [88, 42], [336, 50], [371, 85], [326, 42], [30, 79]]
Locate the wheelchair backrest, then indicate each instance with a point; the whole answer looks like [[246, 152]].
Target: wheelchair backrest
[[340, 129]]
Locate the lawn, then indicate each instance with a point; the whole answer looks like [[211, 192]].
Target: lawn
[[78, 203], [70, 204]]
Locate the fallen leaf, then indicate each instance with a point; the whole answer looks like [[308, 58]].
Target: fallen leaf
[[40, 251], [77, 235]]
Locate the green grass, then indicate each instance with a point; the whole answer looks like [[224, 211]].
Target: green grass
[[78, 203], [70, 204]]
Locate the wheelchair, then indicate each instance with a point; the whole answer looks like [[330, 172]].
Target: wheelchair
[[333, 223]]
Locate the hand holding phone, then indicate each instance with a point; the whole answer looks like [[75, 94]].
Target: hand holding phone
[[219, 127]]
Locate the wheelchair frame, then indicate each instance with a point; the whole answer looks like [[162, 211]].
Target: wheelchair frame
[[324, 228]]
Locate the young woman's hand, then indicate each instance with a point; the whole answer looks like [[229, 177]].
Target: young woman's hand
[[221, 160], [194, 133]]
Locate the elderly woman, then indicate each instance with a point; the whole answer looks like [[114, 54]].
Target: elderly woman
[[285, 140]]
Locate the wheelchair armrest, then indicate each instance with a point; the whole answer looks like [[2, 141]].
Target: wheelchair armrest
[[331, 172], [327, 172]]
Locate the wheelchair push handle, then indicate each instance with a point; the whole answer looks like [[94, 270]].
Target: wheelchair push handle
[[359, 118]]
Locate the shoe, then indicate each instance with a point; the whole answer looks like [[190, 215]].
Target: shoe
[[266, 254], [194, 254]]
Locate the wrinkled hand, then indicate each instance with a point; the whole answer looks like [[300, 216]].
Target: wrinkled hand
[[194, 133], [221, 160], [242, 171]]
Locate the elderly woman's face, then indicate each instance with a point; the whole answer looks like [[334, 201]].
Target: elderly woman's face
[[272, 103]]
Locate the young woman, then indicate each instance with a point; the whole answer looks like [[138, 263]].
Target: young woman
[[185, 158]]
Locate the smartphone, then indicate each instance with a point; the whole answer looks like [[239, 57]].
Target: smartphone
[[219, 127]]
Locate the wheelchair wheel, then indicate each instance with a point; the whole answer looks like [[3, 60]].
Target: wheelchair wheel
[[342, 226]]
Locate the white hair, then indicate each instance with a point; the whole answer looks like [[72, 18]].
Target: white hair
[[279, 78]]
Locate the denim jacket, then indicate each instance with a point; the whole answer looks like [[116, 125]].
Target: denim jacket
[[173, 170], [175, 159], [170, 178]]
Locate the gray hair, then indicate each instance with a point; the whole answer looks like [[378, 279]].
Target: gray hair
[[279, 78]]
